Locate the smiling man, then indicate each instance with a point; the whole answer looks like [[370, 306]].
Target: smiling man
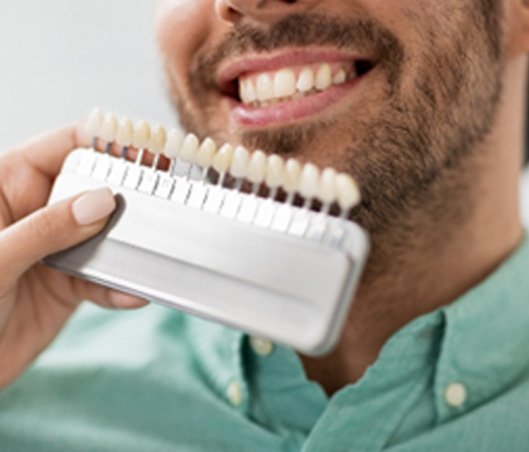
[[423, 102]]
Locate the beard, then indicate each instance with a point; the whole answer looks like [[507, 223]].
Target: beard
[[438, 104]]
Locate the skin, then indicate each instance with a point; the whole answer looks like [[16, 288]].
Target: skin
[[437, 148]]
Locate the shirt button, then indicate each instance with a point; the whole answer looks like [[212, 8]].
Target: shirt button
[[455, 394], [234, 393], [261, 346]]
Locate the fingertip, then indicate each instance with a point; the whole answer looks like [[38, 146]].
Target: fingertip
[[121, 300]]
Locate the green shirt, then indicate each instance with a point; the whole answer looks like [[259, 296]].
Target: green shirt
[[154, 380]]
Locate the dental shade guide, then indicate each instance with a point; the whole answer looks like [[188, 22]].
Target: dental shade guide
[[266, 267]]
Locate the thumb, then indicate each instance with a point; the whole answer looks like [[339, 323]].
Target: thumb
[[52, 229]]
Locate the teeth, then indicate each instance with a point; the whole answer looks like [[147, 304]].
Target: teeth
[[158, 140], [239, 164], [309, 182], [328, 191], [257, 167], [275, 176], [265, 89], [348, 192], [109, 128], [305, 81], [292, 175], [94, 122], [206, 153], [189, 149], [223, 158], [323, 77], [142, 135], [247, 92], [125, 133], [173, 144], [284, 84], [340, 77]]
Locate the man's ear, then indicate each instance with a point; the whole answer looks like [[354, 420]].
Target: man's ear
[[519, 27]]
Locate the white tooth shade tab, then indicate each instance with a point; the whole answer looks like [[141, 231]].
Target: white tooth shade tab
[[323, 77], [223, 158], [142, 135], [328, 190], [257, 167], [309, 182], [173, 144], [265, 88], [189, 150], [109, 128], [158, 139], [305, 80], [94, 122], [275, 175], [239, 164], [292, 174], [348, 191], [206, 153], [284, 83], [125, 133]]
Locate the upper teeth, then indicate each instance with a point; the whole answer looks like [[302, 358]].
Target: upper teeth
[[289, 82]]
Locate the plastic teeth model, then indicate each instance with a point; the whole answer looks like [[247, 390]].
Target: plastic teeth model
[[184, 238]]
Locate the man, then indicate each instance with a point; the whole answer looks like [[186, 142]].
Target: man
[[426, 111]]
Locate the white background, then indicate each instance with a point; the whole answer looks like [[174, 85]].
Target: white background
[[61, 58]]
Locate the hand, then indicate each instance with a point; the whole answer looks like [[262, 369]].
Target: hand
[[36, 301]]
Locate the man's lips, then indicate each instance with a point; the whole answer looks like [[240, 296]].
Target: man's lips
[[274, 89]]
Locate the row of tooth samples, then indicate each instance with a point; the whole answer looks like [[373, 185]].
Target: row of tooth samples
[[307, 180]]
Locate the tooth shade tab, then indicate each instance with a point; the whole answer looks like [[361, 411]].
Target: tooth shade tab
[[173, 144], [125, 133], [94, 122], [275, 175], [288, 82], [328, 190], [109, 128], [239, 164], [257, 167], [142, 135], [348, 191], [189, 149], [292, 175], [309, 183], [158, 140], [206, 153], [223, 158]]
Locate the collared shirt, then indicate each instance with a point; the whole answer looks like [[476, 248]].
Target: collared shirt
[[456, 379]]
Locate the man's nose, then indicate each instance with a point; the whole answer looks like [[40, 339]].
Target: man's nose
[[261, 10]]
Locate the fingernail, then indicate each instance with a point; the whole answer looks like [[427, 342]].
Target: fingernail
[[93, 206]]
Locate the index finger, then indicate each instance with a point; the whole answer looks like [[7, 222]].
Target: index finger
[[47, 152]]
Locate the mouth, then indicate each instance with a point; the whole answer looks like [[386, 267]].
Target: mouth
[[289, 87]]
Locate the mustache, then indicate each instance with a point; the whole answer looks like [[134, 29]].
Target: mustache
[[301, 30]]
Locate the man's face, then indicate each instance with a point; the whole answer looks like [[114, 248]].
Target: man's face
[[413, 88]]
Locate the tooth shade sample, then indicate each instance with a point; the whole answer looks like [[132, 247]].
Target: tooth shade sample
[[265, 89], [348, 191], [189, 150], [305, 80], [158, 139], [340, 77], [284, 83], [323, 77], [239, 164], [275, 175], [309, 182], [94, 122], [125, 133], [109, 128], [328, 191], [173, 144], [206, 152], [292, 175], [223, 158], [257, 167], [142, 135]]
